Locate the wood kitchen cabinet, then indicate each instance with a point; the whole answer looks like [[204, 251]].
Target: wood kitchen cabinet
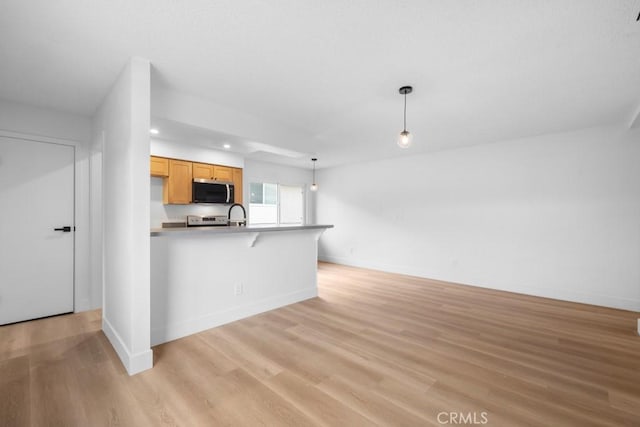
[[179, 175], [202, 171], [237, 185], [222, 173], [177, 187], [215, 172], [159, 166]]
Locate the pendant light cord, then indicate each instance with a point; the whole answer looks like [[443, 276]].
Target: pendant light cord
[[314, 170], [405, 111]]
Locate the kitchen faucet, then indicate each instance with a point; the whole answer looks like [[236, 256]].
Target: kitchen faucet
[[244, 212]]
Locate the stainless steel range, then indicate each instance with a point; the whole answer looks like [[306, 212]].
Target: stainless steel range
[[206, 221]]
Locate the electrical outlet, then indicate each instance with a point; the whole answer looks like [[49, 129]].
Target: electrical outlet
[[238, 289]]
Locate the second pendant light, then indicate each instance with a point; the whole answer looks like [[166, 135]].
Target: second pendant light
[[314, 186], [405, 137]]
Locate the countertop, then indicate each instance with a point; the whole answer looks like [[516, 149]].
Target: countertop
[[233, 229]]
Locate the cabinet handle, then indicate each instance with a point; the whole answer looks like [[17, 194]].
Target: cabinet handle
[[65, 229]]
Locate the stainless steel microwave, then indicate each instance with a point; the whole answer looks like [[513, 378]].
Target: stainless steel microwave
[[211, 191]]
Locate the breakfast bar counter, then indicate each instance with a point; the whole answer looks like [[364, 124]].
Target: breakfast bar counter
[[202, 277], [235, 229]]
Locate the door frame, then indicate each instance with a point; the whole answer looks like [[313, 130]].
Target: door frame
[[82, 298]]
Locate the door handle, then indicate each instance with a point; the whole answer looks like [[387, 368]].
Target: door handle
[[65, 229]]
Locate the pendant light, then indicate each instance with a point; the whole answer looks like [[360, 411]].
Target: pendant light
[[405, 138], [314, 186]]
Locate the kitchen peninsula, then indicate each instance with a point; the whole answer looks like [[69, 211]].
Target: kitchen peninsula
[[208, 276]]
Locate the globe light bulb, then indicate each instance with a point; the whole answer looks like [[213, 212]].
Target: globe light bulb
[[405, 138], [313, 187]]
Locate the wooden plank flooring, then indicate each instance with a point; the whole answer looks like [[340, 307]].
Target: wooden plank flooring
[[373, 349]]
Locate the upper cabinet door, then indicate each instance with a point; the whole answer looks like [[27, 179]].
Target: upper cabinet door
[[237, 185], [222, 173], [202, 171], [159, 166], [177, 187]]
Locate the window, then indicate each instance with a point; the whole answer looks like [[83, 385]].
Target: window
[[263, 203], [275, 204], [263, 193]]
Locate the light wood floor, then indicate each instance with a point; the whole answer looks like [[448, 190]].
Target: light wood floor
[[374, 348]]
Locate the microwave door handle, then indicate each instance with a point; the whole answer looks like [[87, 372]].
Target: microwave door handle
[[228, 193]]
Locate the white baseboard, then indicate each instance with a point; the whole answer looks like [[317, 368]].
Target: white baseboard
[[133, 363], [559, 294], [183, 329]]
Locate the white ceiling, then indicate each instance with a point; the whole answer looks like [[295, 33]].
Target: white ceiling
[[482, 71], [203, 137]]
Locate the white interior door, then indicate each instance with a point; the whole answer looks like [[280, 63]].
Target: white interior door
[[36, 261]]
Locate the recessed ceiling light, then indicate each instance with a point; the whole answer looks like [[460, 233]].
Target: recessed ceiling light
[[227, 146], [154, 131]]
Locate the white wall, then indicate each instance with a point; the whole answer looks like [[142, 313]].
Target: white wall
[[44, 122], [556, 216], [256, 171], [199, 112], [41, 124], [95, 215], [121, 129]]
